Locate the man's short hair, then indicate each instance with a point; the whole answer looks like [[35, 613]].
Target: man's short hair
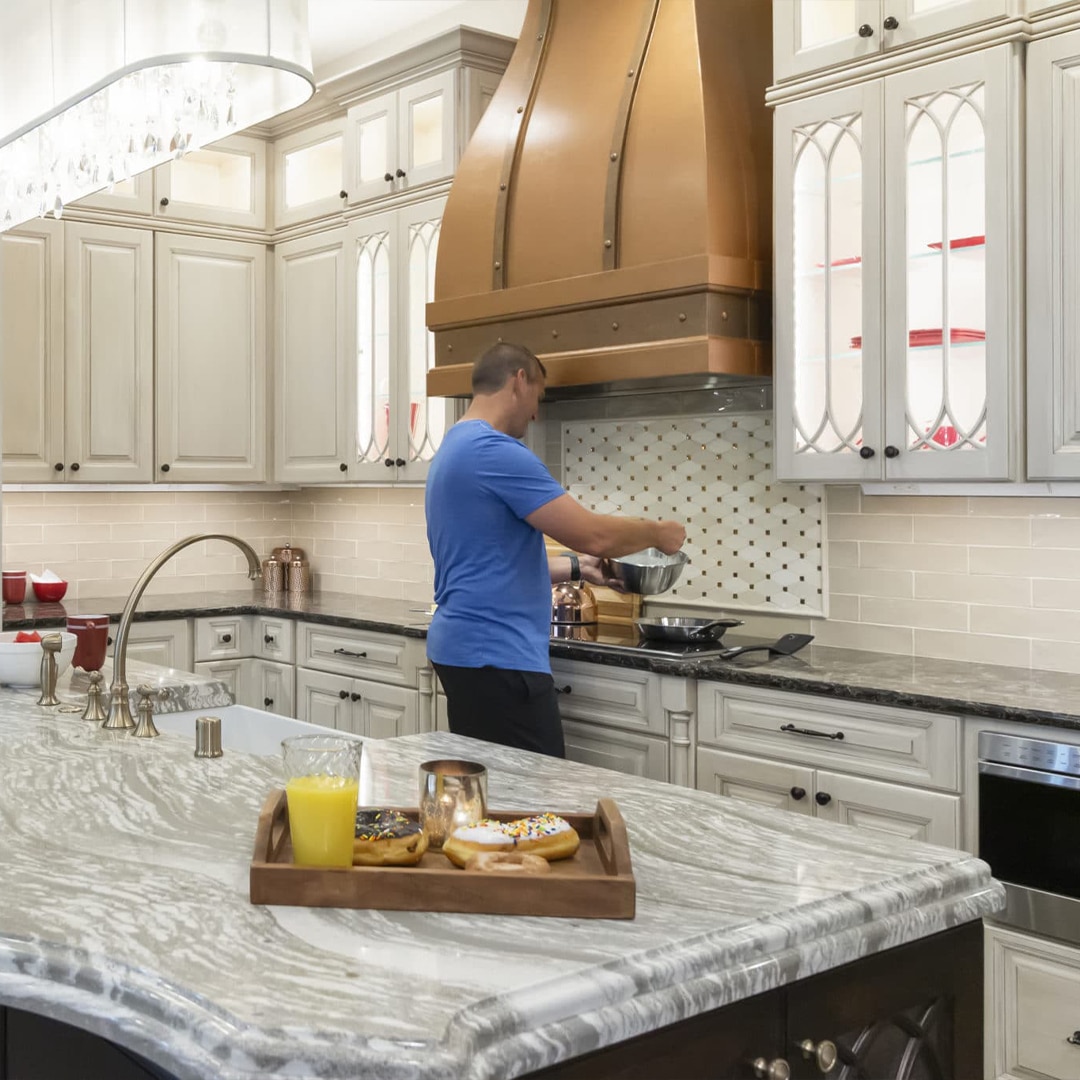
[[502, 362]]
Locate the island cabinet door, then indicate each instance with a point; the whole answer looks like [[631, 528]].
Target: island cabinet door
[[912, 1011], [324, 699], [768, 783]]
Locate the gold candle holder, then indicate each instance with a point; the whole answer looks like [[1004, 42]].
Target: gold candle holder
[[452, 794]]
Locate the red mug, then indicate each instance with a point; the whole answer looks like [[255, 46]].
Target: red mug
[[91, 640], [14, 586]]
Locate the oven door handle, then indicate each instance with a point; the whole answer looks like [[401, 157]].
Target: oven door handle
[[1030, 776]]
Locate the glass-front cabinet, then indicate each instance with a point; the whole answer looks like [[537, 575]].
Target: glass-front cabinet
[[809, 35], [897, 291], [309, 173]]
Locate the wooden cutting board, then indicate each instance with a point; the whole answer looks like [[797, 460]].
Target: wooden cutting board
[[612, 608]]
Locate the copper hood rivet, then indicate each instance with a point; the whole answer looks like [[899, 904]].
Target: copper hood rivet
[[449, 348], [607, 243], [630, 73], [723, 315], [539, 37], [498, 266], [682, 316], [614, 157], [554, 333], [502, 187], [521, 108], [614, 326]]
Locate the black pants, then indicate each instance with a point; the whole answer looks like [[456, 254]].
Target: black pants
[[513, 708]]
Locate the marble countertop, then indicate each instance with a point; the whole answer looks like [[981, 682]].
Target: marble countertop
[[124, 864], [1000, 693]]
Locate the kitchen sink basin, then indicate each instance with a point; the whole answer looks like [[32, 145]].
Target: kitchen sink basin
[[252, 731]]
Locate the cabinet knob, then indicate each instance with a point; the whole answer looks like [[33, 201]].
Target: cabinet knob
[[891, 22], [108, 640], [798, 793], [59, 466], [343, 194], [268, 701], [866, 453], [355, 697], [777, 1069], [226, 638], [891, 452], [567, 689], [1074, 1039], [823, 1053], [866, 30], [343, 694], [823, 798], [400, 174], [343, 467], [389, 177], [400, 462], [165, 467], [389, 462], [74, 466], [268, 639], [164, 201]]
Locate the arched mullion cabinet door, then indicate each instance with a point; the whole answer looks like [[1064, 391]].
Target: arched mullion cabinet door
[[952, 284], [829, 259]]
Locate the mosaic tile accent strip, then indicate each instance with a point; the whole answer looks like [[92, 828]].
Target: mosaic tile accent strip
[[754, 544]]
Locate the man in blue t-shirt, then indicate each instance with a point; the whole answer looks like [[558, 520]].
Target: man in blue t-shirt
[[489, 501]]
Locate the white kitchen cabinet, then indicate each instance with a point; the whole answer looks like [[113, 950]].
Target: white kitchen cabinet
[[323, 698], [1032, 1006], [623, 751], [210, 359], [363, 707], [32, 350], [778, 784], [404, 138], [109, 361], [312, 407], [165, 642], [309, 173], [271, 686], [904, 188], [1053, 257], [273, 638], [132, 196], [223, 637], [390, 278], [809, 35], [233, 673]]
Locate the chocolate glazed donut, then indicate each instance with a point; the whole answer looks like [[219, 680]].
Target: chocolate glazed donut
[[387, 838]]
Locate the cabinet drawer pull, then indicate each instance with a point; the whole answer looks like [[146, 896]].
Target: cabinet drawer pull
[[1074, 1038], [356, 697], [823, 798], [798, 793], [866, 30], [226, 638], [268, 701], [564, 689], [354, 655], [269, 639], [823, 1053], [891, 22], [343, 694], [810, 731], [777, 1069]]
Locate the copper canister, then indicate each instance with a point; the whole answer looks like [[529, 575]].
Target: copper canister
[[299, 577], [287, 553], [273, 574]]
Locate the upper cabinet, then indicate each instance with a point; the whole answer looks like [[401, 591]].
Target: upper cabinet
[[309, 172], [809, 35], [223, 184], [1053, 257], [403, 139], [897, 288]]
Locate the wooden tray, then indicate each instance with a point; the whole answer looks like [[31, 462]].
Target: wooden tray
[[597, 883]]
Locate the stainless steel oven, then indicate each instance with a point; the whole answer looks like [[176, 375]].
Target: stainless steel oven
[[1029, 830]]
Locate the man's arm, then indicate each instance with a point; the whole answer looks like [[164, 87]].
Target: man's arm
[[594, 570], [605, 535]]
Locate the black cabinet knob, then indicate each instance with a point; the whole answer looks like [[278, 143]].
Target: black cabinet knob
[[269, 639], [866, 30], [823, 798], [389, 177], [891, 452], [400, 174], [164, 201], [564, 689], [59, 466], [108, 640], [74, 466], [891, 22], [343, 194], [798, 793], [343, 467], [226, 638], [355, 697], [866, 453], [165, 467], [389, 462], [400, 462], [268, 701], [343, 694]]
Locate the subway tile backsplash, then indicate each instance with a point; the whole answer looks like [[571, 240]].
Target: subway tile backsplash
[[993, 579]]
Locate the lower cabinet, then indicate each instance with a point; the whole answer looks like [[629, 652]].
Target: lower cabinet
[[623, 751], [361, 706], [271, 687], [166, 643], [1032, 1007]]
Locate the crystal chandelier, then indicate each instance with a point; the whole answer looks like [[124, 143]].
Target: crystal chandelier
[[94, 91]]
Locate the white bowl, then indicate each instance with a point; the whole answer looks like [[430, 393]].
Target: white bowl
[[20, 661]]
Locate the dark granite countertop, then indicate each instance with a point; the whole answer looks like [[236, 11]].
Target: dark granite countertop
[[1000, 693]]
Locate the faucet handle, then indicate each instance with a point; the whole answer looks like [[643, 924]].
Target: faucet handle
[[95, 710], [145, 728]]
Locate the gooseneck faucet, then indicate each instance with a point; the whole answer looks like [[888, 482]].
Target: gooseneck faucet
[[120, 707]]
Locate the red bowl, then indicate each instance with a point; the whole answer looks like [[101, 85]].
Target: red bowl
[[49, 591]]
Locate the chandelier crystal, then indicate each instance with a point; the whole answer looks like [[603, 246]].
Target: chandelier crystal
[[94, 91]]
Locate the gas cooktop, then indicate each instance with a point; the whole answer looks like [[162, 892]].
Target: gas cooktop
[[627, 639]]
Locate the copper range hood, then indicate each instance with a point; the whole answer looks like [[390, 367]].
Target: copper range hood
[[613, 209]]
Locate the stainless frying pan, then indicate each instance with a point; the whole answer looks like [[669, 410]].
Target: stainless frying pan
[[682, 629]]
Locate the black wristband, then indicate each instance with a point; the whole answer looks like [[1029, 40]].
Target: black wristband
[[575, 566]]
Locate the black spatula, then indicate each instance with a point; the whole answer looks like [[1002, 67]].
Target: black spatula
[[785, 646]]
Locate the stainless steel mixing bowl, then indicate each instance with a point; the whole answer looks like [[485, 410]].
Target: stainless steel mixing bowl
[[648, 572]]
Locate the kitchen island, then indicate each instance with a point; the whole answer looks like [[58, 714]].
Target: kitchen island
[[124, 876]]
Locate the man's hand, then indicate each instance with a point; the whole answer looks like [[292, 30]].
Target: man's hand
[[671, 537], [597, 571]]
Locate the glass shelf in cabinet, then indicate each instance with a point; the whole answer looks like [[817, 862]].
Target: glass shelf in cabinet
[[850, 354], [937, 158]]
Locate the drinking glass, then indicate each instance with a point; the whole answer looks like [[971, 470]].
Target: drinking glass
[[91, 640], [14, 586], [452, 794], [322, 787]]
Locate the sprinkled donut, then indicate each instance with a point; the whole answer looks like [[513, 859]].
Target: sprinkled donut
[[547, 835], [387, 838]]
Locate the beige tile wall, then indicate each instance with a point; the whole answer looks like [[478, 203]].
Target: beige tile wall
[[990, 579]]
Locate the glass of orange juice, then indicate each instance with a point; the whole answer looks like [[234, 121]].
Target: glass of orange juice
[[322, 786]]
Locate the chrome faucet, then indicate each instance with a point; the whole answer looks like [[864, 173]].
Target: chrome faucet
[[120, 707]]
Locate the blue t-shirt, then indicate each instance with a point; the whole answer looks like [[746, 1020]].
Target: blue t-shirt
[[492, 584]]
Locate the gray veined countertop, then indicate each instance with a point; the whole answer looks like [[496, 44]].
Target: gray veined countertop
[[123, 871]]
